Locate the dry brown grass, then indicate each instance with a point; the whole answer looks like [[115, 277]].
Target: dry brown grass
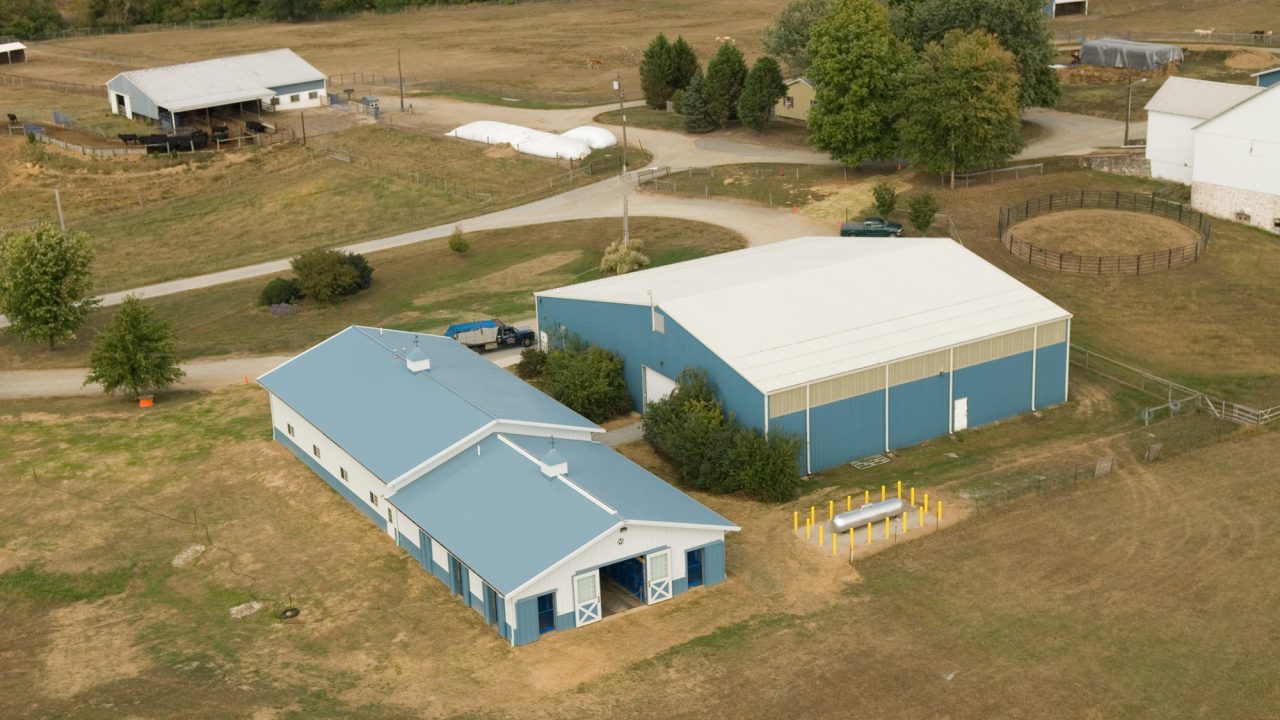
[[1104, 232]]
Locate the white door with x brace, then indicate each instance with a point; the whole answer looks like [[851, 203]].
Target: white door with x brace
[[658, 573], [586, 598]]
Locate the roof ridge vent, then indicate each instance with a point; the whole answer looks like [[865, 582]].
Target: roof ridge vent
[[416, 360]]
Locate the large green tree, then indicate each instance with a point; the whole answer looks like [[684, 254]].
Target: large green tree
[[857, 68], [761, 91], [722, 85], [1020, 25], [962, 105], [788, 37], [684, 63], [46, 290], [697, 118], [29, 19], [657, 68], [135, 354]]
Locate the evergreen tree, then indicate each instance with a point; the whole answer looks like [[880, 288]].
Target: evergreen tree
[[761, 91], [722, 85], [45, 286], [962, 100], [1020, 26], [657, 69], [788, 37], [697, 118], [684, 64], [135, 354], [857, 67]]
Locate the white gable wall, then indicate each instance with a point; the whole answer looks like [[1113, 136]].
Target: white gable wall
[[607, 550], [1170, 146], [1236, 166]]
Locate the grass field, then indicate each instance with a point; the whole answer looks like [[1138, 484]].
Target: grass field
[[156, 218], [1114, 16], [1107, 99], [1104, 599], [418, 287], [1196, 325]]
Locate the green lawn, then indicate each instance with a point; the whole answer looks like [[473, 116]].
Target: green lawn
[[417, 287]]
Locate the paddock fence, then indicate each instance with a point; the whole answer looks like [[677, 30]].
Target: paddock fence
[[55, 85], [1256, 39], [1138, 264], [989, 177]]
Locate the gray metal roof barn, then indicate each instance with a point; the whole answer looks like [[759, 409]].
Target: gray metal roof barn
[[271, 80], [857, 346]]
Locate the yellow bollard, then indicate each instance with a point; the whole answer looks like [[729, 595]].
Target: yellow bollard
[[913, 497], [831, 510], [866, 497], [904, 521], [926, 502], [795, 520], [835, 543], [820, 535], [886, 528], [850, 539], [848, 503], [899, 489], [808, 529], [812, 518], [921, 509], [868, 533], [882, 495], [939, 512]]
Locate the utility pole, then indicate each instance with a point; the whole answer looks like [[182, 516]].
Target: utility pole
[[400, 70], [57, 198], [622, 95], [302, 116], [1128, 106]]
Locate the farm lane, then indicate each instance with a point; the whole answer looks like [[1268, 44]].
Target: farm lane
[[1071, 134], [755, 223]]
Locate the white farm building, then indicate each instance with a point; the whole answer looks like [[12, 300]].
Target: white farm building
[[271, 80], [1224, 141], [496, 489]]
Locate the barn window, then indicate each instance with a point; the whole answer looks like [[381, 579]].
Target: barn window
[[275, 101], [373, 499], [315, 450], [313, 95], [343, 472], [289, 429], [294, 98], [788, 102]]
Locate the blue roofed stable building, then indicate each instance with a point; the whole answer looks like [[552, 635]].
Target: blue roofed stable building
[[499, 491], [857, 346], [257, 82]]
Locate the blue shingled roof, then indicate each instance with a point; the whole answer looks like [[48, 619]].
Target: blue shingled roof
[[508, 522], [355, 388]]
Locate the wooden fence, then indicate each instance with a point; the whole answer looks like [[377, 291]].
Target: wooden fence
[[23, 81], [1105, 264], [988, 177], [1175, 37]]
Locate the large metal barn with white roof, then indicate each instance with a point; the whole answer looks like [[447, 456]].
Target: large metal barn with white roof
[[858, 346], [271, 80], [496, 489]]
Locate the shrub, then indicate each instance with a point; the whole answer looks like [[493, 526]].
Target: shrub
[[457, 242], [279, 291], [715, 453], [920, 211], [677, 102], [533, 362], [325, 275], [364, 271], [886, 198], [620, 260], [589, 382]]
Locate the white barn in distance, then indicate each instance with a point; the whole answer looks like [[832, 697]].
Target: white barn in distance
[[271, 80]]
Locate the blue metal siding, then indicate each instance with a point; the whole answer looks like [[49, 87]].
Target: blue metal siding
[[298, 87], [628, 331], [564, 622], [1269, 78], [679, 586], [333, 482], [1051, 373], [918, 411], [997, 389], [478, 604], [846, 430], [713, 563], [526, 621]]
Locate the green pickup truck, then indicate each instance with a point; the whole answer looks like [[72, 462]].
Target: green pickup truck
[[871, 227]]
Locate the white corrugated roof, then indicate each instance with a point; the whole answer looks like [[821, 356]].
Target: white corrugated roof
[[811, 308], [1199, 98], [222, 80], [11, 46]]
